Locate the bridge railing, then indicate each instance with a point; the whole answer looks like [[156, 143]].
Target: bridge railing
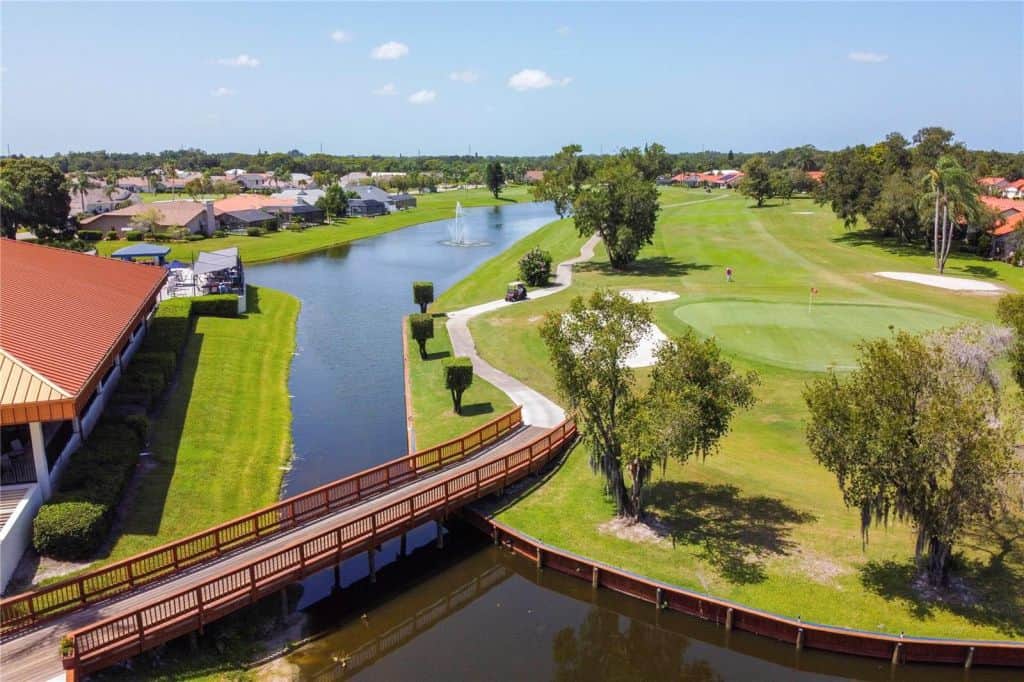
[[114, 639], [26, 610]]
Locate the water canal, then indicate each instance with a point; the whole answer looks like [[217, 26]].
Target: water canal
[[470, 611]]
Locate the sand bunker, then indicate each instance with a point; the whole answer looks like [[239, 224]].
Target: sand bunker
[[648, 295], [943, 282], [803, 212], [643, 355]]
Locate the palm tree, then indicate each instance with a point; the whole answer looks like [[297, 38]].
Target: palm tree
[[953, 195], [170, 172], [80, 184]]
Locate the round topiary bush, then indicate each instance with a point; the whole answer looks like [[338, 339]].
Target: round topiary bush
[[535, 267], [111, 236], [69, 530], [133, 235], [254, 231]]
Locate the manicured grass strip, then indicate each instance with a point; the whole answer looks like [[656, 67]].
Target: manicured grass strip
[[286, 243], [434, 420], [488, 282], [220, 444], [761, 522]]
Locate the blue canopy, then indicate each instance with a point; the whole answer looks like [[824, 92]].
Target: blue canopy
[[143, 251]]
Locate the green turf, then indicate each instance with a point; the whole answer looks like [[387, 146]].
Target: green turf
[[434, 420], [221, 442], [810, 337], [760, 521], [286, 243]]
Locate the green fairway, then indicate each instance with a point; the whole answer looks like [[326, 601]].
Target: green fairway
[[761, 521], [274, 245], [801, 337], [222, 440]]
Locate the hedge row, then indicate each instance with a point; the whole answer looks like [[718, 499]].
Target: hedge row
[[215, 305], [75, 522]]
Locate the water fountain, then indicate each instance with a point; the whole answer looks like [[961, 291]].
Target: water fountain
[[457, 230]]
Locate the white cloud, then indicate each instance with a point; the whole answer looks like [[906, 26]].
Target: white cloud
[[222, 92], [535, 79], [423, 97], [867, 57], [340, 36], [464, 76], [386, 90], [242, 60], [390, 50], [563, 30]]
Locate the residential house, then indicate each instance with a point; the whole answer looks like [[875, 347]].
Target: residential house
[[1006, 235], [1014, 190], [366, 208], [287, 207], [817, 176], [354, 178], [533, 176], [97, 200], [55, 384], [393, 202], [194, 216], [135, 184], [688, 179], [993, 185], [246, 218], [310, 196]]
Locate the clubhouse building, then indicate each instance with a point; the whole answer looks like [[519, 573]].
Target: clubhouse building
[[68, 324]]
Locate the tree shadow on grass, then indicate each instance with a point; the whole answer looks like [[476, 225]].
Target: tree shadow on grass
[[436, 355], [895, 247], [252, 300], [655, 266], [477, 409], [984, 593], [735, 534], [981, 271]]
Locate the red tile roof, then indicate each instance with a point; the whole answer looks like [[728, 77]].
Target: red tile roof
[[245, 202], [1019, 184], [991, 181], [64, 314], [817, 176], [1008, 223]]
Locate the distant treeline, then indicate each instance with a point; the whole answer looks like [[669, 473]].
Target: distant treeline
[[467, 168]]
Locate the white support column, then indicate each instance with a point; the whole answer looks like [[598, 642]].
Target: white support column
[[39, 457]]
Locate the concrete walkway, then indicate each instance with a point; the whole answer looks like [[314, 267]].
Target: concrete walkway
[[537, 409]]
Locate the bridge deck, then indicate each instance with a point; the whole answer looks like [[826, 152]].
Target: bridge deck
[[35, 655]]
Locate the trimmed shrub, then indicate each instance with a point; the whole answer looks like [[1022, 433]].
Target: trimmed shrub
[[69, 530], [90, 235], [111, 236], [195, 237], [421, 326], [423, 294], [255, 231], [133, 235], [458, 376], [164, 361], [220, 233], [162, 237], [535, 267], [170, 326], [217, 305]]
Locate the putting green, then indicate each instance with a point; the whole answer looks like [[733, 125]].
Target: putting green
[[786, 335]]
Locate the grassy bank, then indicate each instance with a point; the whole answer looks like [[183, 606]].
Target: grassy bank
[[488, 282], [761, 522], [220, 444], [434, 420], [286, 243]]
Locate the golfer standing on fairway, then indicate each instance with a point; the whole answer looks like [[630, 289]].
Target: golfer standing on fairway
[[728, 274]]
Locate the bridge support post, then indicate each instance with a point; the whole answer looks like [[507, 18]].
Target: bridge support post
[[370, 560], [337, 576], [284, 604], [800, 639], [193, 641], [594, 577], [402, 546], [728, 619], [896, 653], [440, 535], [970, 659]]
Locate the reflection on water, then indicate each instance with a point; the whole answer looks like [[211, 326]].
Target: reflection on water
[[475, 612]]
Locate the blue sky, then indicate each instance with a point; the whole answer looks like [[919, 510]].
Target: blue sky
[[505, 78]]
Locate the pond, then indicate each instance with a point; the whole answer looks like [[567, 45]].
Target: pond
[[470, 611]]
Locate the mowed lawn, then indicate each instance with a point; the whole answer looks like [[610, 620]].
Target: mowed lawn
[[434, 420], [761, 522], [284, 243], [222, 441]]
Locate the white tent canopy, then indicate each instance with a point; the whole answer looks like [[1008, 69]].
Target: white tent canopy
[[215, 261]]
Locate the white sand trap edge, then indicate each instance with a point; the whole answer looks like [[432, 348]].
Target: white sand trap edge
[[803, 212], [643, 354], [943, 282], [648, 295]]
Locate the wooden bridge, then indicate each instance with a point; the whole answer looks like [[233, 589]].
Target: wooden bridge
[[113, 613]]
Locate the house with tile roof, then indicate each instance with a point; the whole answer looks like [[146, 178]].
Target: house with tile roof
[[1006, 234], [1014, 190], [54, 384], [197, 217], [993, 185]]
